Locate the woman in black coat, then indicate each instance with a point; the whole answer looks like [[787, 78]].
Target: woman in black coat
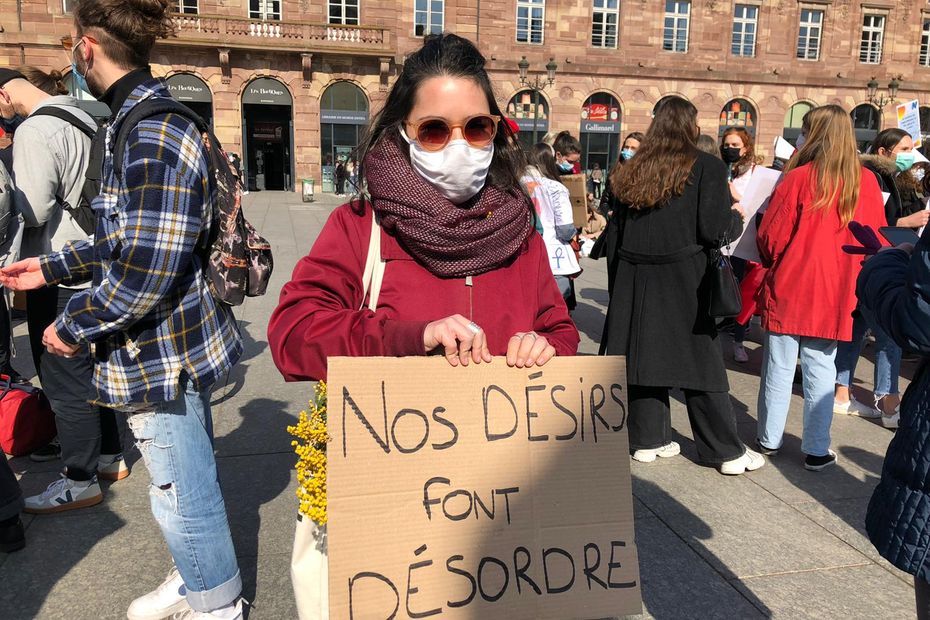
[[894, 287], [671, 209]]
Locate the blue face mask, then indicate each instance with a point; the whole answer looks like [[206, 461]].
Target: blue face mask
[[566, 166], [78, 78], [627, 154], [9, 125], [904, 161]]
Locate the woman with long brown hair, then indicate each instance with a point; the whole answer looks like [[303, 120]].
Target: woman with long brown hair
[[671, 209], [809, 292]]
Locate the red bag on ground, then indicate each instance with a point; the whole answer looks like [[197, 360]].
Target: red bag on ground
[[26, 418], [749, 288]]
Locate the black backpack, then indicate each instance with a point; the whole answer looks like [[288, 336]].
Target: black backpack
[[237, 260], [82, 213]]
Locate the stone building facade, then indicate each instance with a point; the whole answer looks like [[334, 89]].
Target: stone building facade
[[290, 84]]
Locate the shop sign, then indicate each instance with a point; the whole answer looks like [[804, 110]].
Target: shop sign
[[266, 91], [187, 87], [526, 124], [600, 127], [269, 132], [344, 117]]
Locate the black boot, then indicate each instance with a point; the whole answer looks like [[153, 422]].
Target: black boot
[[12, 535]]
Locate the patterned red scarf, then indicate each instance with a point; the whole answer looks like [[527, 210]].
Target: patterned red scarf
[[452, 241]]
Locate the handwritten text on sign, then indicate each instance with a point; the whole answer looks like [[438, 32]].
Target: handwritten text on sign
[[479, 492]]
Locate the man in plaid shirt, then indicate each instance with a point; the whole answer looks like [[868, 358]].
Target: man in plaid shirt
[[159, 339]]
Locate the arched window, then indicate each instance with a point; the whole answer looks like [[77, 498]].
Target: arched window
[[268, 135], [661, 102], [343, 117], [867, 121], [738, 113], [793, 119], [600, 131], [530, 110]]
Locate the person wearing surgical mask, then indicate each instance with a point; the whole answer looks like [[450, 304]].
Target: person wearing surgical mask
[[890, 159], [463, 273], [567, 153]]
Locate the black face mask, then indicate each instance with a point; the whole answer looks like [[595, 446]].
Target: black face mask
[[730, 154]]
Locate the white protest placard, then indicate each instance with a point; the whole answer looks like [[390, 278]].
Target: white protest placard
[[759, 190], [783, 149], [479, 492], [909, 120]]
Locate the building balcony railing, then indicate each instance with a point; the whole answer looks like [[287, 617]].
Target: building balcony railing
[[240, 32]]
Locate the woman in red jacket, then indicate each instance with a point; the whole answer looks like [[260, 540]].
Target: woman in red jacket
[[465, 275], [808, 295]]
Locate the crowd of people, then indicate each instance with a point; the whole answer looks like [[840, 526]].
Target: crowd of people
[[478, 249]]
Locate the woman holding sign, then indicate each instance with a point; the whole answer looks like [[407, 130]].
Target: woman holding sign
[[672, 207], [460, 271]]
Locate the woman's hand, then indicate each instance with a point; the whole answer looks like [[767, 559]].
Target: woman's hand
[[463, 340], [914, 220], [25, 275], [739, 209], [528, 348]]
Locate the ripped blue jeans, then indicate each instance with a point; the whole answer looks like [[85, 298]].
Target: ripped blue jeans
[[176, 441]]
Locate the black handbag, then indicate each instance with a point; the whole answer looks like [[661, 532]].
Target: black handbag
[[726, 300]]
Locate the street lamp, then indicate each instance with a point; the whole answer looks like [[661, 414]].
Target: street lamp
[[537, 84], [879, 99]]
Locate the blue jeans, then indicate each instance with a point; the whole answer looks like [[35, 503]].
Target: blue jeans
[[887, 358], [176, 441], [819, 373]]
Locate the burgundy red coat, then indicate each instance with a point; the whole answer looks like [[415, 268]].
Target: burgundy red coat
[[810, 287], [318, 314]]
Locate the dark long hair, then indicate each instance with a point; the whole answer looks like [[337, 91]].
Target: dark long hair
[[451, 56], [543, 157], [887, 139], [663, 162]]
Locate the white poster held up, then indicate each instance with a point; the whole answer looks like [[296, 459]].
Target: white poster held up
[[909, 120], [757, 194]]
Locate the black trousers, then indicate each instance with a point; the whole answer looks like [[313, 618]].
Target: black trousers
[[712, 422], [922, 594], [6, 334], [11, 497], [85, 431]]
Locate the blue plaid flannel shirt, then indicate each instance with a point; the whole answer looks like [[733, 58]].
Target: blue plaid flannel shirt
[[149, 316]]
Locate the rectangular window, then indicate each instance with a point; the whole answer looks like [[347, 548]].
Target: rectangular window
[[343, 12], [873, 30], [925, 44], [428, 17], [604, 25], [66, 6], [531, 15], [188, 7], [265, 10], [677, 24], [809, 34], [745, 26]]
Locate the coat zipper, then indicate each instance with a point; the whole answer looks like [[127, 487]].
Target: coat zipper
[[470, 284]]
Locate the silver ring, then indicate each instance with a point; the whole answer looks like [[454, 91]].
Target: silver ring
[[533, 334], [474, 327]]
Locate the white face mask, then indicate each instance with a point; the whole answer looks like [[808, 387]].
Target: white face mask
[[458, 171]]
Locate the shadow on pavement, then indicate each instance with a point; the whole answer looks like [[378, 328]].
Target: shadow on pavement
[[235, 379]]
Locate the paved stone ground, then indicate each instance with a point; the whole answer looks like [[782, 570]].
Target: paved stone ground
[[780, 542]]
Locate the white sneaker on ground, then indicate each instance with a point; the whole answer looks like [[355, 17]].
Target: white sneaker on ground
[[65, 494], [647, 456], [891, 421], [740, 354], [750, 461], [165, 601], [112, 467], [854, 407], [230, 612]]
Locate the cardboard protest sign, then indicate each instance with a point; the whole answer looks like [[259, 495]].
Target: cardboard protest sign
[[757, 195], [909, 120], [479, 492], [578, 193]]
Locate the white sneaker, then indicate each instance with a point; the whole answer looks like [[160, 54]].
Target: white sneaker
[[231, 612], [854, 407], [891, 421], [111, 467], [750, 461], [65, 494], [647, 456], [165, 601], [740, 354]]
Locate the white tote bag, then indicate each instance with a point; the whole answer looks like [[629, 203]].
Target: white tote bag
[[309, 558]]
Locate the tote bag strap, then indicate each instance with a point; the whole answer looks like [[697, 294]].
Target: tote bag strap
[[374, 267]]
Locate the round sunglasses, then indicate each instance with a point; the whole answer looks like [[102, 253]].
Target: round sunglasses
[[433, 134]]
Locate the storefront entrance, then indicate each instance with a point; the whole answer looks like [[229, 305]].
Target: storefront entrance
[[343, 117], [267, 135]]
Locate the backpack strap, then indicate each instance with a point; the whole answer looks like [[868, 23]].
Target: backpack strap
[[147, 108], [67, 117], [373, 274]]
